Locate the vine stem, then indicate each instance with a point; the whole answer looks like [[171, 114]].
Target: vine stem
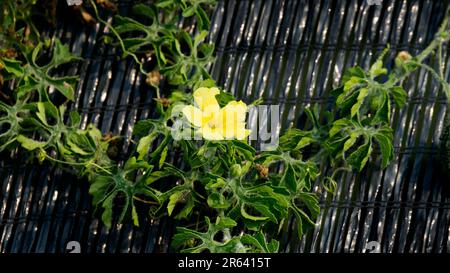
[[343, 169], [145, 201], [439, 78], [122, 45], [78, 164], [443, 36], [226, 231]]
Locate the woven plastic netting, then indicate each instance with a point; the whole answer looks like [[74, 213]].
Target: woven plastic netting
[[289, 53]]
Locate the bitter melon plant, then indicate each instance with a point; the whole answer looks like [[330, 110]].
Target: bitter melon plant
[[238, 198]]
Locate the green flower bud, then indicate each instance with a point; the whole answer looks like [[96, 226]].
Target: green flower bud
[[402, 57], [236, 170]]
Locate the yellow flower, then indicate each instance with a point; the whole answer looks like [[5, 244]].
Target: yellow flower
[[213, 122]]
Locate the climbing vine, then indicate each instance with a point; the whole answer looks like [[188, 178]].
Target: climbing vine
[[237, 197]]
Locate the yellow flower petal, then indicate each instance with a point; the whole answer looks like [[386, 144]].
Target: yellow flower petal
[[215, 123], [205, 98], [241, 132], [237, 131], [238, 108], [209, 133], [231, 120], [194, 115]]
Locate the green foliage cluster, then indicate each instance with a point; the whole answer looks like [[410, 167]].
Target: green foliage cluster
[[238, 198]]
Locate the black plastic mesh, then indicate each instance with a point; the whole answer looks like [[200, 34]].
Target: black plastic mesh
[[289, 53]]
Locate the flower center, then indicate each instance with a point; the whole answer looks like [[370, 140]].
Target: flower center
[[212, 124]]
